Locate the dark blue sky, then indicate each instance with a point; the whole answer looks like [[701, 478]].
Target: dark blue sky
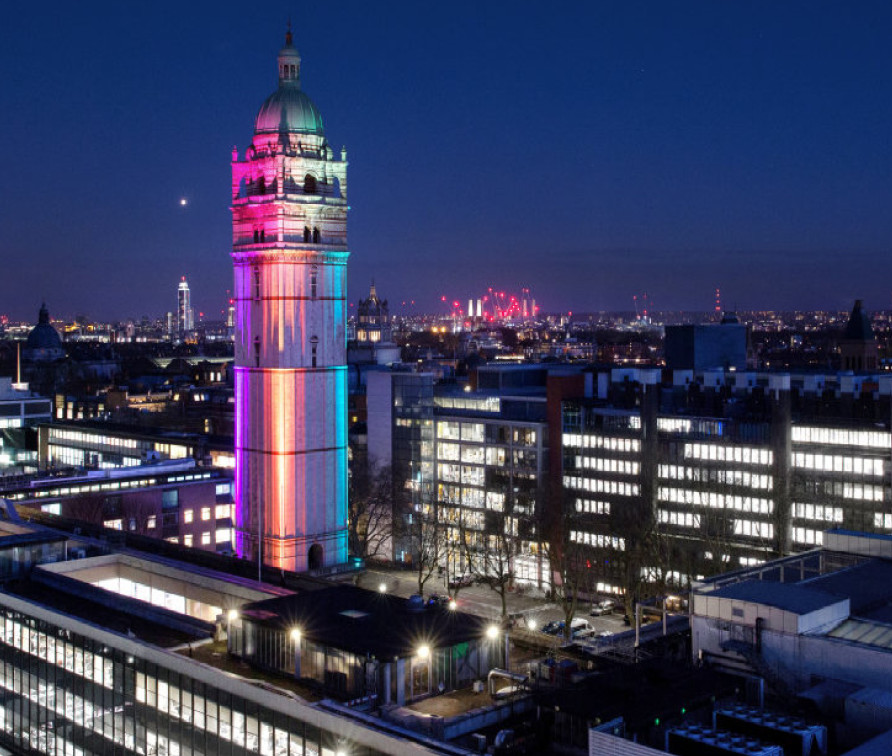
[[589, 150]]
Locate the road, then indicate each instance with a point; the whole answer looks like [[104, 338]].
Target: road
[[534, 610]]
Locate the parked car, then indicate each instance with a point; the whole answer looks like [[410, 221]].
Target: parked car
[[436, 599], [603, 607], [462, 580], [581, 628]]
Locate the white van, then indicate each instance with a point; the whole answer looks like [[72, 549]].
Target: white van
[[581, 628]]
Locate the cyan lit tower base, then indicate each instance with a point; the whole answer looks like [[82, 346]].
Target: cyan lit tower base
[[289, 251]]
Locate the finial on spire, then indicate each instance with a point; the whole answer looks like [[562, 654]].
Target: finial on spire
[[288, 36]]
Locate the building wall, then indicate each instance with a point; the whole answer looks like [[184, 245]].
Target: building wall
[[725, 490], [103, 692]]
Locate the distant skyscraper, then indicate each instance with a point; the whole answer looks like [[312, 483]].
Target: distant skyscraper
[[185, 321], [289, 252]]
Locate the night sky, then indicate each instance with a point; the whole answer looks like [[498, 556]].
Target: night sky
[[588, 150]]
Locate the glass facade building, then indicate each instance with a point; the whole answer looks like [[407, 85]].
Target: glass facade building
[[69, 688]]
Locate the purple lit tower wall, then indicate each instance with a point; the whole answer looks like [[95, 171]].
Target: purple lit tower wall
[[289, 252]]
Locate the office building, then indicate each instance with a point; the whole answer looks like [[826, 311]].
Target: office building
[[670, 480], [115, 652], [289, 236], [174, 501]]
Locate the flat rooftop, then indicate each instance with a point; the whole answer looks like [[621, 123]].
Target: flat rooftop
[[365, 622], [99, 614], [790, 597]]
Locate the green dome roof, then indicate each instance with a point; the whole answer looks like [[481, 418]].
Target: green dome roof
[[288, 109]]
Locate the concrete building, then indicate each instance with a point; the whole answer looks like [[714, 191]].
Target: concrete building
[[700, 347], [813, 626], [289, 237]]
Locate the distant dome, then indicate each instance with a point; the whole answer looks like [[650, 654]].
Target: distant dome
[[289, 109], [43, 336]]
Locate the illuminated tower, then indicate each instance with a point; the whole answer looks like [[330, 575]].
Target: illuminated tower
[[289, 252], [185, 322]]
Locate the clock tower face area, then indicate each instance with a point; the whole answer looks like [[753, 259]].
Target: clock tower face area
[[289, 253]]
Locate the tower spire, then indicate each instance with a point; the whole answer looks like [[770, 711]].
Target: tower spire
[[289, 39]]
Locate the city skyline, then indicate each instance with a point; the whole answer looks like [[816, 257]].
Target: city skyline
[[598, 152]]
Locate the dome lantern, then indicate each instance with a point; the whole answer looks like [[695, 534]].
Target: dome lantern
[[289, 110]]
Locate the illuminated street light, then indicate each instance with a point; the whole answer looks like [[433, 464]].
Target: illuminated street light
[[492, 632], [295, 635], [423, 652], [383, 587], [452, 605], [531, 624], [233, 614]]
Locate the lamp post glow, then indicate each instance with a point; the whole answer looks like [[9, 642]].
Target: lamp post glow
[[492, 632], [295, 636], [424, 652], [231, 616], [382, 588]]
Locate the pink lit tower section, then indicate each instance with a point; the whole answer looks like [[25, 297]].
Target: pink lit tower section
[[289, 252]]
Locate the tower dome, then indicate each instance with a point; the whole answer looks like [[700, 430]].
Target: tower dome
[[289, 109], [43, 341]]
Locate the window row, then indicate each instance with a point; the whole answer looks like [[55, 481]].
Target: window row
[[592, 506], [721, 477], [455, 431], [715, 500], [819, 512], [754, 529], [804, 434], [679, 519], [808, 536], [723, 453], [837, 463], [592, 441], [599, 540], [622, 466], [617, 487]]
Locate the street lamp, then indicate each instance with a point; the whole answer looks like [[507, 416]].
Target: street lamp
[[424, 652], [382, 588], [531, 623], [452, 605]]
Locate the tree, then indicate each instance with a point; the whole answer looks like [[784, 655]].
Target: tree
[[570, 567], [423, 535], [373, 497], [568, 558], [491, 554], [87, 507], [136, 511]]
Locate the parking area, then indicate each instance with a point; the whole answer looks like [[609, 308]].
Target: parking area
[[530, 611]]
